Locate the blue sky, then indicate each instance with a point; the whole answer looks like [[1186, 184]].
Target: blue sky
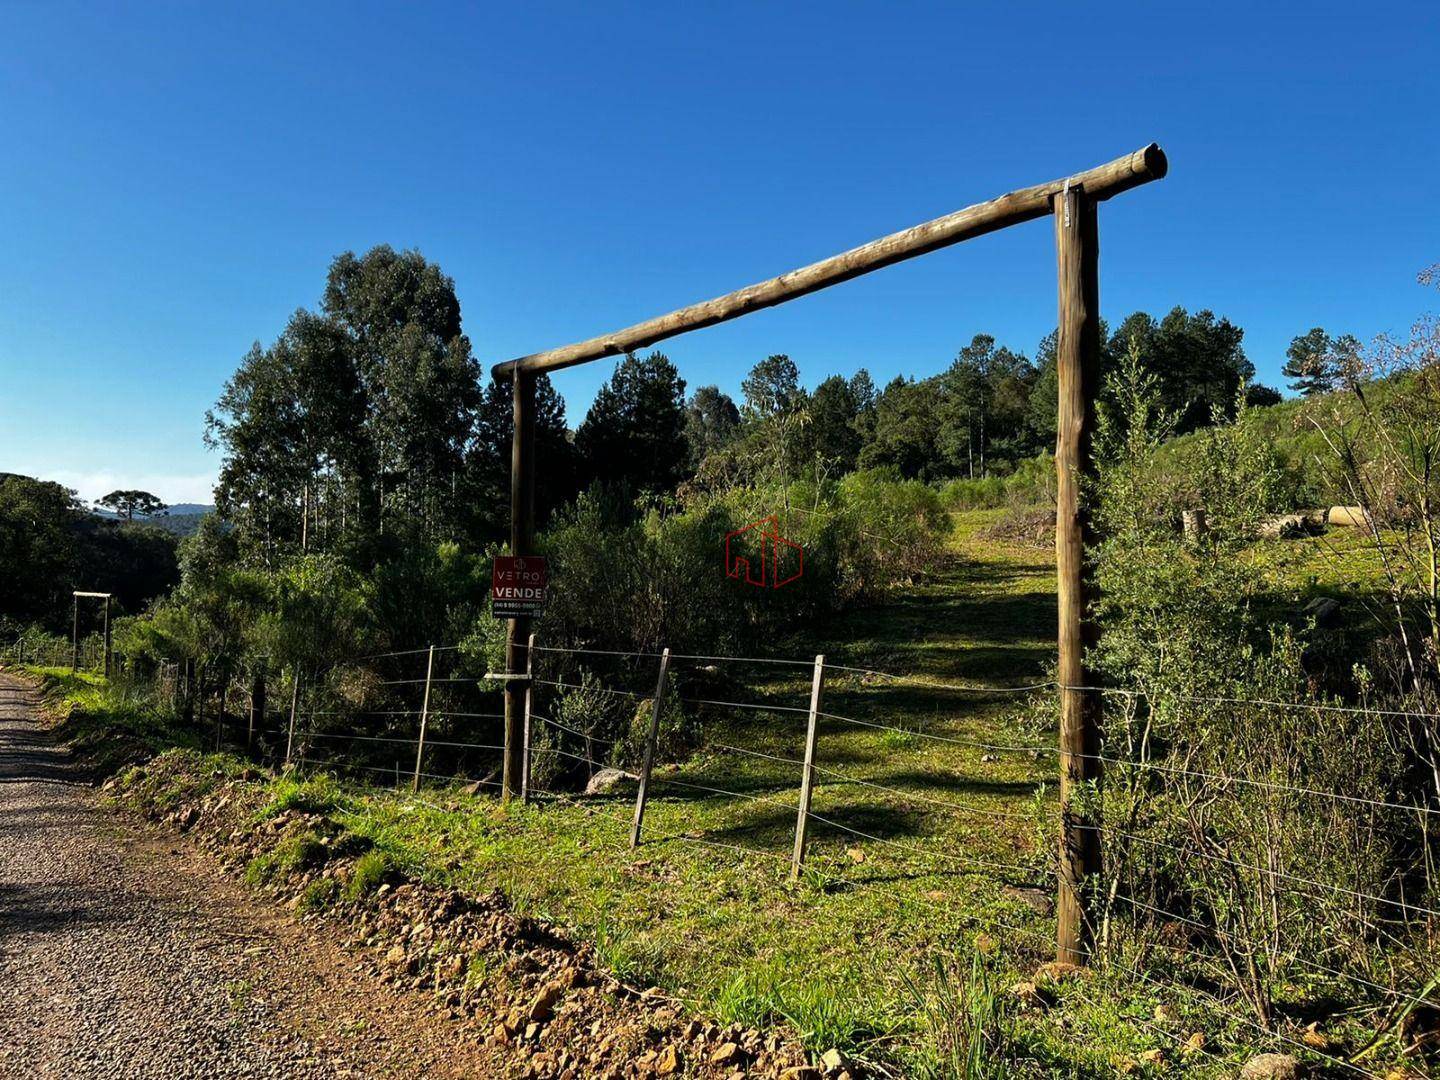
[[175, 180]]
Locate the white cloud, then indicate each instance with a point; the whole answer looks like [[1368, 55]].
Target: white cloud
[[171, 488]]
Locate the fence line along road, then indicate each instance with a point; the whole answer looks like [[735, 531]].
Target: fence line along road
[[317, 719]]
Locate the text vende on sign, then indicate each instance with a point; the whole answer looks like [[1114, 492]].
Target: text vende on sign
[[517, 586]]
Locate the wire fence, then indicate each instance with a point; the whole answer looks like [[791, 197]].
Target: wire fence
[[1262, 889]]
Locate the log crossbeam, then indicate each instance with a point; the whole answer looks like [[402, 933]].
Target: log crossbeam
[[1026, 204]]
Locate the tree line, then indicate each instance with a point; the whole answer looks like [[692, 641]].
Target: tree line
[[368, 431]]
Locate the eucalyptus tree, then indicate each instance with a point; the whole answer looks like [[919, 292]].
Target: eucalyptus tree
[[401, 319]]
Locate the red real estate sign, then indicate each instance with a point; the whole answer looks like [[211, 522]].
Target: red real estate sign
[[517, 585]]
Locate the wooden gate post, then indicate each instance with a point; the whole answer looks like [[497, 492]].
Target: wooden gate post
[[1077, 356], [74, 634], [807, 779], [522, 542], [649, 760], [424, 719]]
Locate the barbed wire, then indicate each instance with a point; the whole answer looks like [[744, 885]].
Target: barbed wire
[[573, 731], [1256, 869]]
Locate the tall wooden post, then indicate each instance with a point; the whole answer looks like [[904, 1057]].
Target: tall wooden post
[[522, 542], [107, 637], [74, 634], [1078, 362]]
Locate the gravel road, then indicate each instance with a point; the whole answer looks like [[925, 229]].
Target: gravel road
[[126, 953]]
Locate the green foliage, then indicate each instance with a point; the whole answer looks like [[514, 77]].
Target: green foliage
[[291, 856], [49, 546], [38, 547], [1193, 625], [318, 895], [633, 437], [352, 430], [315, 612], [676, 734], [711, 422], [822, 1014], [1196, 360], [660, 580], [621, 951], [1032, 483], [965, 1018], [1315, 362], [318, 794], [485, 483]]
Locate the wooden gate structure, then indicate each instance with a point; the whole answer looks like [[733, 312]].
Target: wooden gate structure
[[1072, 202], [75, 598]]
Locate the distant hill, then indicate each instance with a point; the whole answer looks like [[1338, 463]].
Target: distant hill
[[182, 520]]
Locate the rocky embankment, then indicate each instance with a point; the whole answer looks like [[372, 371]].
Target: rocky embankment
[[501, 977]]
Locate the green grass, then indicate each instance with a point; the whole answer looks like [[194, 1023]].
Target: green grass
[[108, 723]]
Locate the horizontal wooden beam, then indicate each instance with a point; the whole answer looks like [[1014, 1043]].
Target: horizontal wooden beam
[[1098, 183], [95, 594]]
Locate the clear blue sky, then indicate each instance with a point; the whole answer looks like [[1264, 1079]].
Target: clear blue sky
[[176, 179]]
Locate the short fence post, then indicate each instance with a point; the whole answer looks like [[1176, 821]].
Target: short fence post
[[257, 701], [220, 714], [188, 692], [807, 779], [424, 719], [294, 701], [529, 700], [649, 750]]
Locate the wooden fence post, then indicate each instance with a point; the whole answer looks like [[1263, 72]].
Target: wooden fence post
[[74, 634], [424, 719], [529, 702], [188, 711], [108, 652], [220, 713], [1077, 355], [649, 762], [294, 701], [257, 701], [807, 779]]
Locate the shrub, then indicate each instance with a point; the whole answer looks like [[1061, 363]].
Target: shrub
[[289, 857], [371, 871], [318, 794]]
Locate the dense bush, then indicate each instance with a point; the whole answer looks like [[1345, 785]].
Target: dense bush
[[1032, 483], [621, 581], [1209, 810]]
